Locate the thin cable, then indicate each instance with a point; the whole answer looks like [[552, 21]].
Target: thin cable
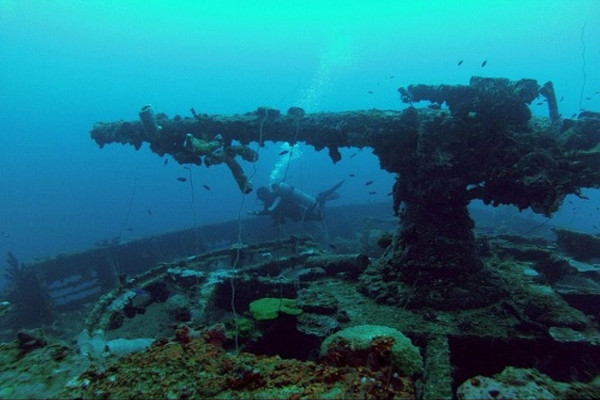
[[260, 141], [583, 72], [535, 228], [239, 236], [131, 197], [193, 208], [232, 275], [325, 230], [574, 214], [289, 160]]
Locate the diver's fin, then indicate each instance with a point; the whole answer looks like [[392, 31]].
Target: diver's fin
[[333, 196], [329, 194]]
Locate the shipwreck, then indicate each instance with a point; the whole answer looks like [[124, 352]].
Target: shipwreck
[[445, 303]]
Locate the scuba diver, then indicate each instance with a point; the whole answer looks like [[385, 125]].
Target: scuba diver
[[283, 201]]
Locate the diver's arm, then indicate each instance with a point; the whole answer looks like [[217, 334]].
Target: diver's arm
[[268, 210], [274, 205]]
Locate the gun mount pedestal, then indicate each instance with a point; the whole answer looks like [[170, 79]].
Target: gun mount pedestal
[[433, 260]]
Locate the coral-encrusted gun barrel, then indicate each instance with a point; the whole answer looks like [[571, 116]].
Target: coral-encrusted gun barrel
[[481, 138]]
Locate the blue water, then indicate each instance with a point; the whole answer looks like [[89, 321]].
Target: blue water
[[65, 65]]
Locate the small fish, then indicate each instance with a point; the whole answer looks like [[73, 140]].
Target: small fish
[[370, 92], [149, 212], [351, 175], [284, 152], [186, 167], [181, 178], [130, 229], [483, 64], [595, 227], [372, 192], [206, 187], [352, 155], [390, 193], [459, 63], [166, 161], [574, 115], [562, 98], [367, 183], [588, 98], [541, 103], [391, 76]]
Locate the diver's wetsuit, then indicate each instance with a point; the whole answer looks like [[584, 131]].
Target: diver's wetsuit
[[284, 201]]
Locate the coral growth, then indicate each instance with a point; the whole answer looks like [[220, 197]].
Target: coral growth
[[170, 369]]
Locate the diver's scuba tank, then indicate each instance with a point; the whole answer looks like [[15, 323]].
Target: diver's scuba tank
[[290, 194]]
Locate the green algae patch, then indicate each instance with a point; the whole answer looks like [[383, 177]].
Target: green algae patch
[[268, 308]]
